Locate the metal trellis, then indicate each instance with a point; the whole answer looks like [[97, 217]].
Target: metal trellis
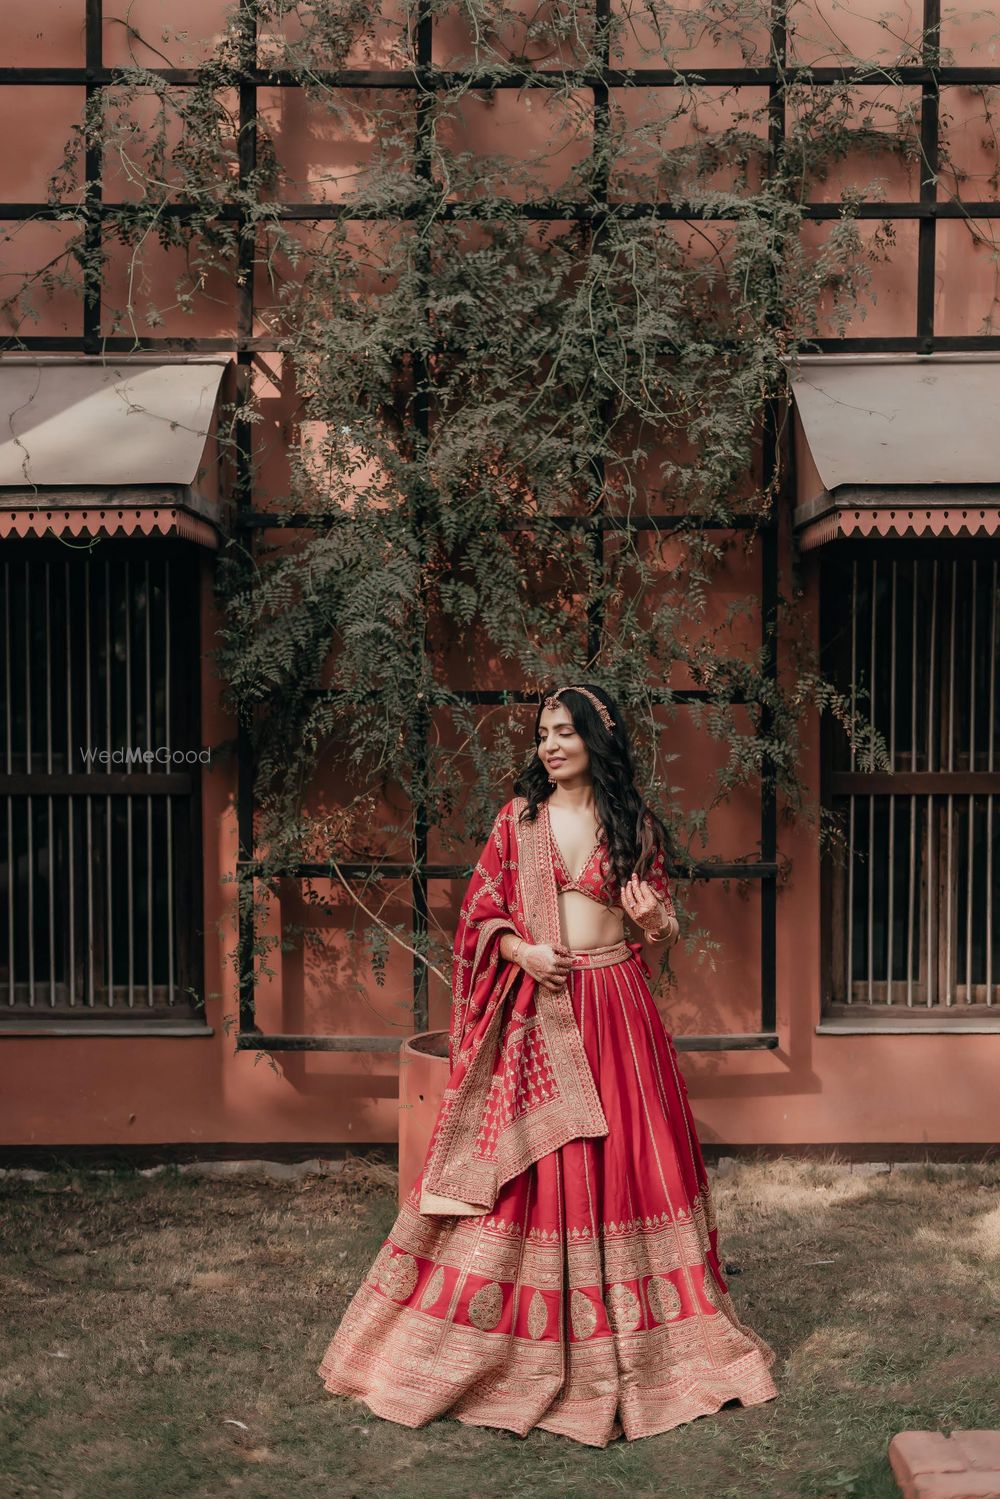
[[424, 80]]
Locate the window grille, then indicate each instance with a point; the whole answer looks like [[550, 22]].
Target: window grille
[[100, 863], [915, 903]]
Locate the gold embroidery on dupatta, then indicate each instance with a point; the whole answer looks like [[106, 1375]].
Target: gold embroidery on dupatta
[[474, 1169], [583, 1314], [560, 1033], [623, 1309], [538, 1315], [664, 1299], [486, 1307]]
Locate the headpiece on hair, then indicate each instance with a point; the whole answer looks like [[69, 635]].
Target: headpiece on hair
[[552, 701]]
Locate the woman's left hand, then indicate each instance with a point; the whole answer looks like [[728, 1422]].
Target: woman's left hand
[[643, 905]]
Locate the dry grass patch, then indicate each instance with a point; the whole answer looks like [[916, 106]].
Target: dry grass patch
[[163, 1335]]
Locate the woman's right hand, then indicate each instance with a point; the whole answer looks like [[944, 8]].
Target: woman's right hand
[[546, 963]]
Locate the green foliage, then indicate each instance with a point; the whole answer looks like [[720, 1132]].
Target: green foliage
[[475, 386]]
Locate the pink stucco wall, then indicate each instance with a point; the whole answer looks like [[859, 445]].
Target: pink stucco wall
[[870, 1090], [813, 1089]]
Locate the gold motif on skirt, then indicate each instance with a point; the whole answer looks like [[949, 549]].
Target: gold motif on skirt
[[399, 1276], [664, 1298], [623, 1308], [433, 1289], [583, 1314], [538, 1315], [712, 1291], [375, 1270], [486, 1307]]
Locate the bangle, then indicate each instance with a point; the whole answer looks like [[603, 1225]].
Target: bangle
[[520, 944]]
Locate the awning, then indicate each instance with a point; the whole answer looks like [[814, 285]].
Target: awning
[[897, 445], [112, 519], [111, 447]]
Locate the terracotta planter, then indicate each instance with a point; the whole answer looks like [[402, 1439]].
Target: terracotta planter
[[423, 1075]]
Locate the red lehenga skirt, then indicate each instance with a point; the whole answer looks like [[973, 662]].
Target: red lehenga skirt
[[590, 1300]]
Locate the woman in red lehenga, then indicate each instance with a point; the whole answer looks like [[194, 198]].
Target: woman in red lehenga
[[556, 1263]]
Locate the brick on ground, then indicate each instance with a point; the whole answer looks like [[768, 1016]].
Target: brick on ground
[[930, 1465]]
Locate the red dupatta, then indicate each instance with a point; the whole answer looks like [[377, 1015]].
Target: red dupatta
[[520, 1084]]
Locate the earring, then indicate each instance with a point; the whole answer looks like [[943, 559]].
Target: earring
[[552, 785]]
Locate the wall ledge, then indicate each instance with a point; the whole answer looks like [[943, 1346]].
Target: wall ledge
[[955, 1027]]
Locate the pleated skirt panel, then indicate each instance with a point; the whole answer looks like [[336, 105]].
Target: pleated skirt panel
[[590, 1301]]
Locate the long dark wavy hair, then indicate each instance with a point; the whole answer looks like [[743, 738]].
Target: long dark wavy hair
[[633, 833]]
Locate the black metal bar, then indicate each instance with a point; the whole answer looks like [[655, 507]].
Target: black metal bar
[[243, 439], [912, 783], [979, 343], [244, 875], [431, 78], [421, 417], [94, 783], [44, 343], [247, 166], [770, 459], [768, 801], [546, 211], [666, 696], [93, 189], [663, 695], [394, 869], [279, 520], [598, 218], [930, 160]]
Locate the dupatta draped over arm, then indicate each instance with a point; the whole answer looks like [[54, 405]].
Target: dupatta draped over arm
[[520, 1084]]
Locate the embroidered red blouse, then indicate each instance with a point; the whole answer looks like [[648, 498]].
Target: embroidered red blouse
[[600, 883]]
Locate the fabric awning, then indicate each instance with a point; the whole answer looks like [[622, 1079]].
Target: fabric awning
[[110, 447], [897, 445]]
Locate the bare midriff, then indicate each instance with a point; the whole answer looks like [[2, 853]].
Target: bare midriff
[[586, 924]]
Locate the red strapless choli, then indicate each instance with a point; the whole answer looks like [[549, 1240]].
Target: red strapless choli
[[590, 1301]]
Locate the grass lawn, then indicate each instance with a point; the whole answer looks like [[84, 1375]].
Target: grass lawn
[[161, 1337]]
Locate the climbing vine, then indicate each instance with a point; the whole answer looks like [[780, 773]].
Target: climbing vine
[[522, 306]]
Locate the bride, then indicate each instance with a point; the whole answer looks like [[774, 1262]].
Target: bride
[[556, 1262]]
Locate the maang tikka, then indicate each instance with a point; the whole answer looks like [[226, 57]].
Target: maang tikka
[[552, 701]]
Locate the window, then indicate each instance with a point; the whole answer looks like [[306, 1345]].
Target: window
[[101, 867], [911, 914]]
